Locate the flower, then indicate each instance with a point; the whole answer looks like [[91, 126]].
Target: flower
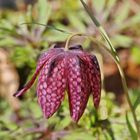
[[73, 70]]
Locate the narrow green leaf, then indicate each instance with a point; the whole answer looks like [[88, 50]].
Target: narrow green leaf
[[99, 5], [133, 20], [137, 102], [124, 8], [90, 14], [44, 13], [53, 37], [105, 36], [49, 27], [101, 30], [64, 123], [44, 10], [132, 131], [135, 54], [109, 5], [76, 21], [121, 40]]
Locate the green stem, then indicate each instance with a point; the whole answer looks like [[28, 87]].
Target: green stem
[[69, 39], [128, 98], [115, 56], [124, 83]]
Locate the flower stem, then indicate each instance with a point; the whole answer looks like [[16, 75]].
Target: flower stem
[[69, 39], [115, 56], [128, 98], [124, 83]]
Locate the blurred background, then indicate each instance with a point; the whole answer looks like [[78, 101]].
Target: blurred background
[[21, 45]]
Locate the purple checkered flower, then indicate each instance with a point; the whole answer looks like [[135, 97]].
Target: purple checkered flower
[[60, 70]]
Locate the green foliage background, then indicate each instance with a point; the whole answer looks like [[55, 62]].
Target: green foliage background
[[26, 42]]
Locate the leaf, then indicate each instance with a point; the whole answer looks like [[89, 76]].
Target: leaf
[[37, 111], [28, 16], [47, 26], [79, 136], [19, 56], [135, 98], [133, 20], [44, 11], [137, 102], [95, 21], [76, 21], [109, 6], [99, 5], [7, 42], [131, 130], [122, 40], [64, 123], [102, 31], [124, 9], [135, 53], [53, 37]]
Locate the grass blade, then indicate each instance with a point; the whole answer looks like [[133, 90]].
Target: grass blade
[[101, 30], [115, 56], [132, 131], [49, 27], [90, 14], [137, 102]]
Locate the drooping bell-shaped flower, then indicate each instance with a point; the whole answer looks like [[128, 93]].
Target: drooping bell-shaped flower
[[60, 70]]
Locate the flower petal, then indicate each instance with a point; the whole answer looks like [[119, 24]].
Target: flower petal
[[95, 79], [78, 87], [94, 76], [42, 60], [46, 55], [30, 83], [51, 85]]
